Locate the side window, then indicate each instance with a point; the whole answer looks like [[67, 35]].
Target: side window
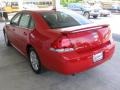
[[15, 19], [31, 24], [24, 21]]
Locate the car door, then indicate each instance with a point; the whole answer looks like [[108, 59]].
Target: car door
[[80, 10], [12, 27], [25, 27]]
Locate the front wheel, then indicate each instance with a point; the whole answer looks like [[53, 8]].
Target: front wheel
[[87, 15], [34, 61], [105, 15], [7, 42]]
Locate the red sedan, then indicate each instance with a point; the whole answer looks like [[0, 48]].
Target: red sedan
[[59, 40]]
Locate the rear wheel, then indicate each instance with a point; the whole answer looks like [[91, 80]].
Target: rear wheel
[[87, 15], [95, 16], [7, 42], [34, 61]]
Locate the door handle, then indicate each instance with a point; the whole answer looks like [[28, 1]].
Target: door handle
[[25, 33], [13, 29]]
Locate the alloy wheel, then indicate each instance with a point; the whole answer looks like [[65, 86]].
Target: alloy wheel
[[34, 60]]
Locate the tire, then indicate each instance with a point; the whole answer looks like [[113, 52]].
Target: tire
[[105, 15], [95, 16], [87, 15], [35, 61], [7, 42]]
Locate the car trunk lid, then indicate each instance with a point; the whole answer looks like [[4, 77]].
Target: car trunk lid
[[88, 38]]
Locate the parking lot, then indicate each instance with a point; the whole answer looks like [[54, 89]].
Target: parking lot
[[16, 74]]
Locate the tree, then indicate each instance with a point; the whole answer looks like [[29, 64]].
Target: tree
[[66, 2]]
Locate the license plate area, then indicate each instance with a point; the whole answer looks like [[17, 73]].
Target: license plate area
[[97, 56]]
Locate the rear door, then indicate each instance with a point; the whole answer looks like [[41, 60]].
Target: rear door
[[26, 25]]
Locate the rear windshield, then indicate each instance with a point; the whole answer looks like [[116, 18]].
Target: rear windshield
[[62, 19]]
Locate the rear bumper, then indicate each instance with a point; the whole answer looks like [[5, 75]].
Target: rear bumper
[[72, 63], [94, 14], [105, 13]]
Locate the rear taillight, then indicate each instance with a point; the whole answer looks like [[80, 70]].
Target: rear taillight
[[111, 38], [110, 34], [62, 44]]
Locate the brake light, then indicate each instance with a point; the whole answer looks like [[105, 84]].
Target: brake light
[[110, 34], [62, 44]]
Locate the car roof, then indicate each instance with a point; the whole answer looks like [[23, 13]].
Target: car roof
[[46, 10], [74, 4], [38, 11], [41, 10]]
